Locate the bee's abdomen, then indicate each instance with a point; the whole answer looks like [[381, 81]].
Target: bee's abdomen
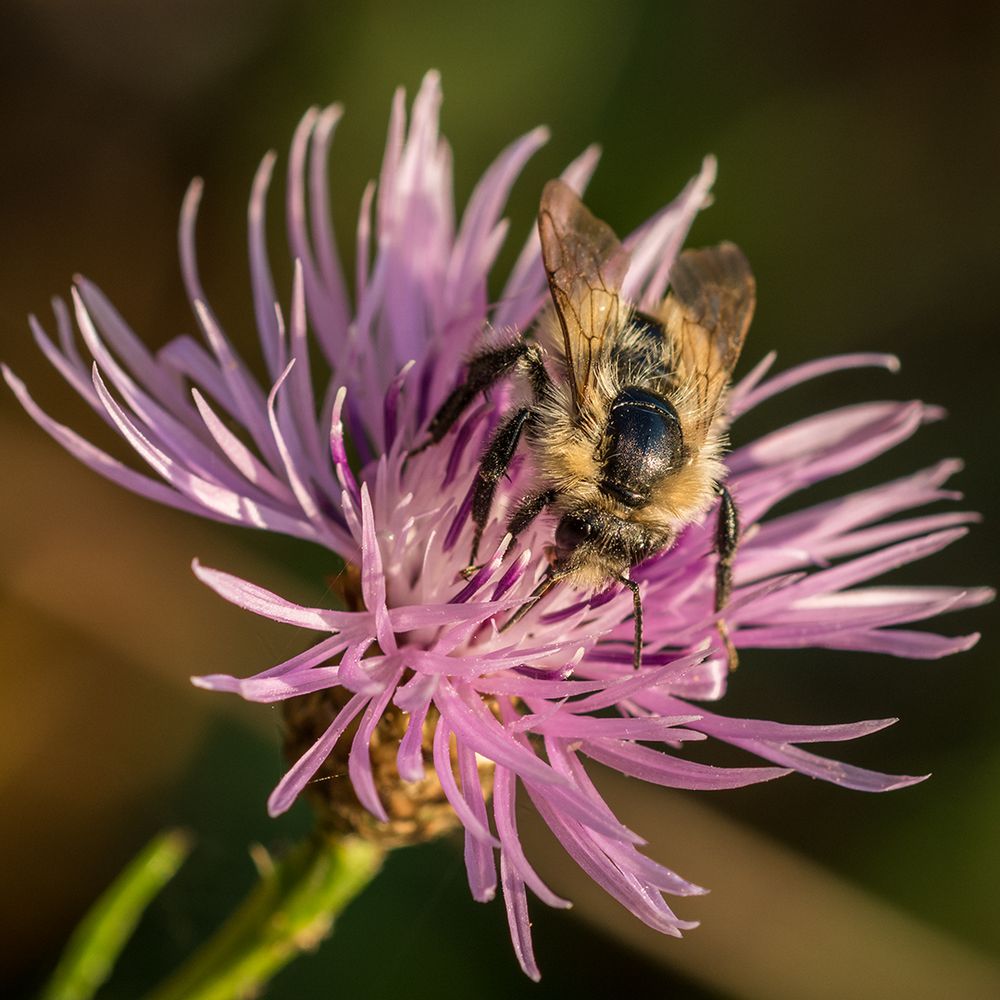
[[642, 442]]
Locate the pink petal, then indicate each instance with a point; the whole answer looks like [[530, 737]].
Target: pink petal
[[479, 862], [663, 769], [359, 762], [516, 904], [443, 768], [100, 461], [808, 371], [288, 789], [269, 605], [410, 759]]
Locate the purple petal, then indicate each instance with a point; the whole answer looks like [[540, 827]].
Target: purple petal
[[271, 689], [293, 462], [245, 393], [864, 507], [474, 724], [466, 428], [636, 681], [521, 686], [833, 771], [269, 605], [808, 371], [169, 435], [524, 292], [357, 677], [473, 251], [757, 729], [418, 616], [648, 728], [338, 451], [302, 401], [72, 370], [390, 406], [660, 241], [479, 863], [359, 761], [99, 461], [516, 903], [625, 855], [893, 642], [618, 884], [188, 359], [323, 279], [752, 379], [505, 816], [301, 663], [856, 571], [445, 774], [819, 448], [663, 769], [241, 457], [410, 758], [322, 225], [372, 578], [287, 790], [261, 281], [130, 348]]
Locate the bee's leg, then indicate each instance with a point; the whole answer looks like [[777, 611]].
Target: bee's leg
[[550, 579], [637, 614], [494, 464], [538, 374], [484, 371], [528, 509], [727, 537]]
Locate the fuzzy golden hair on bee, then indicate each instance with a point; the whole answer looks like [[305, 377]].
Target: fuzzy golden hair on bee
[[622, 412]]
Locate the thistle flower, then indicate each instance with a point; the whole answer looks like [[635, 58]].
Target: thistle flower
[[412, 684]]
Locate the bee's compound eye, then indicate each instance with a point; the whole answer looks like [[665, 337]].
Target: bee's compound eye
[[572, 532]]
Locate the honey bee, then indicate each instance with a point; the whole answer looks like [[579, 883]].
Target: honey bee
[[623, 412]]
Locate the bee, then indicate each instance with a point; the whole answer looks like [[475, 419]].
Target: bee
[[623, 412]]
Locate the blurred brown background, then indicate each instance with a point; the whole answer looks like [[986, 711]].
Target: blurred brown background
[[858, 168]]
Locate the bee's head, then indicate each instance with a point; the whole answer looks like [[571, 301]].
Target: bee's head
[[574, 532], [594, 542]]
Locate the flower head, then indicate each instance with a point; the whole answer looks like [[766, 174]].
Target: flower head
[[417, 643]]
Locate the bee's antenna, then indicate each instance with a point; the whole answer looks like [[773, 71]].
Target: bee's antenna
[[548, 581], [637, 614]]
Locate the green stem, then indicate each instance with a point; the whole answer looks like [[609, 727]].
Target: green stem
[[98, 940], [291, 910]]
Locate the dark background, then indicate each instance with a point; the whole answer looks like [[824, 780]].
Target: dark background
[[858, 161]]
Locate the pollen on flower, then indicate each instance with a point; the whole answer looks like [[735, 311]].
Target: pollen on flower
[[415, 710]]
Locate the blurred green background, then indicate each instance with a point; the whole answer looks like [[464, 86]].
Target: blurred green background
[[858, 149]]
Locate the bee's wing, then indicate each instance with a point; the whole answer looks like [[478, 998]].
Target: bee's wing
[[706, 317], [585, 264]]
